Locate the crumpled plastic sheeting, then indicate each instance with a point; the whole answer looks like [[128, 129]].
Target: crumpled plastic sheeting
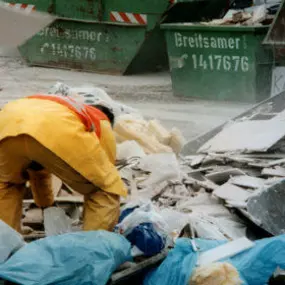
[[147, 239], [255, 265], [83, 258], [10, 241], [144, 227], [56, 221], [146, 213], [98, 94]]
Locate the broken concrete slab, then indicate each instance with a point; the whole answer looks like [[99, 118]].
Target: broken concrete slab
[[229, 191], [245, 137]]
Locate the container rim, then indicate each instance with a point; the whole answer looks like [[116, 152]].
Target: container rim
[[199, 27]]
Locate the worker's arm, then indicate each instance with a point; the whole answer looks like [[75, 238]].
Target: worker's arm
[[106, 175]]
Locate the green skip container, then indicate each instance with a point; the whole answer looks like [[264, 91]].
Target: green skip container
[[219, 62], [104, 36]]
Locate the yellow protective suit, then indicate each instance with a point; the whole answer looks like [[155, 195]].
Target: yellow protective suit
[[52, 135]]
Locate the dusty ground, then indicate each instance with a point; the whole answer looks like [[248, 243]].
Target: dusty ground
[[150, 93]]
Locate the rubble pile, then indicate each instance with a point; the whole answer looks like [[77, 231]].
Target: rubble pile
[[233, 181], [252, 16], [230, 173]]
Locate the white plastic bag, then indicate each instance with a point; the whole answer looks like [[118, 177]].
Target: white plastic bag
[[144, 214], [99, 96], [10, 241]]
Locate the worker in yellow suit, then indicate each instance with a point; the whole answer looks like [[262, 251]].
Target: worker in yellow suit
[[45, 134]]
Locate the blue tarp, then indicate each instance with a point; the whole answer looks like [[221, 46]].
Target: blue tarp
[[83, 258], [255, 265]]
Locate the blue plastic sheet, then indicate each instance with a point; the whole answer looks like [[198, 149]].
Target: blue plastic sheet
[[146, 238], [255, 265], [126, 212], [83, 258], [144, 228]]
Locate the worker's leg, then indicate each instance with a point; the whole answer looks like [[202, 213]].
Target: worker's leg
[[101, 211], [11, 200], [40, 181], [12, 182]]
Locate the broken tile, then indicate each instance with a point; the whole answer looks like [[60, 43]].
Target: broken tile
[[33, 216], [197, 160], [56, 185], [246, 136], [25, 230], [224, 175], [247, 181], [275, 171], [198, 182], [154, 192], [224, 251], [229, 191], [235, 204]]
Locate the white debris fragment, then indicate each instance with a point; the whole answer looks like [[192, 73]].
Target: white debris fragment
[[129, 149], [163, 167]]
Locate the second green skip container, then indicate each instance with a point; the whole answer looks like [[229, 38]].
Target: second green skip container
[[219, 62]]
